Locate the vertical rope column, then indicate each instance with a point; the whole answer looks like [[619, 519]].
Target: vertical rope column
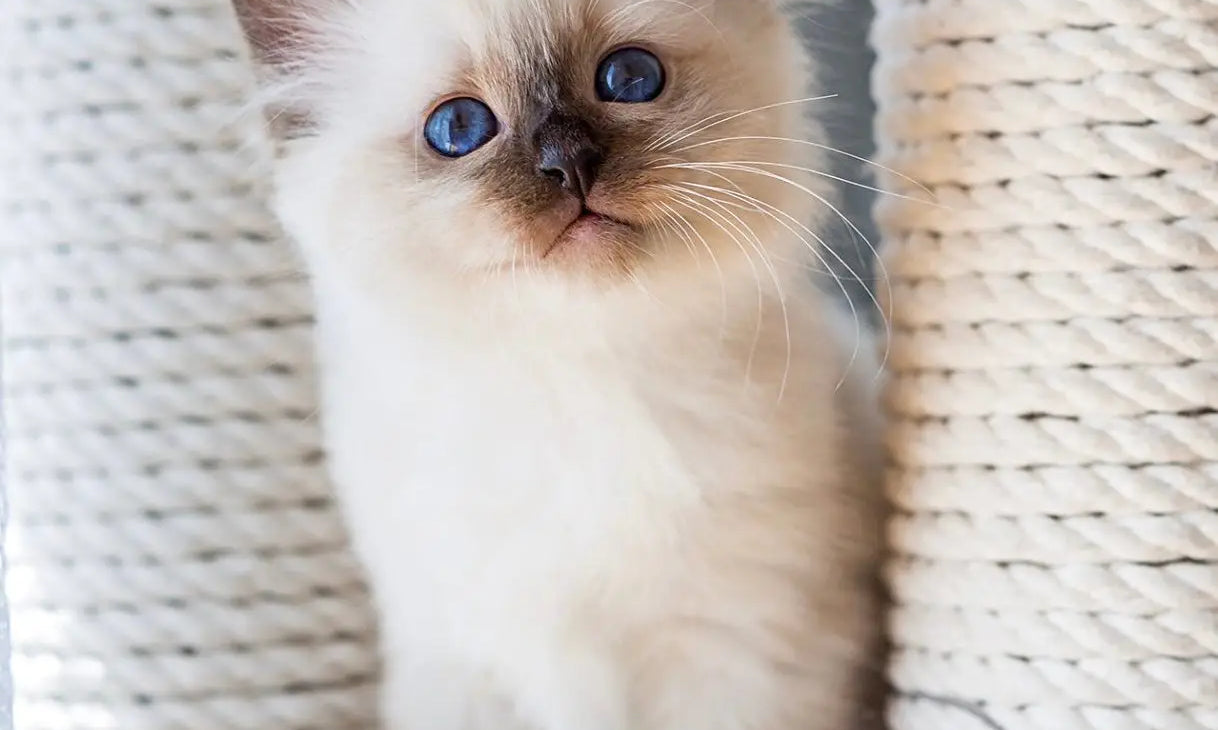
[[176, 563], [1055, 362]]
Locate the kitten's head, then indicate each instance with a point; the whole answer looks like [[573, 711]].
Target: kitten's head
[[577, 140]]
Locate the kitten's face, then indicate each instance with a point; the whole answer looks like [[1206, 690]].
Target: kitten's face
[[554, 136]]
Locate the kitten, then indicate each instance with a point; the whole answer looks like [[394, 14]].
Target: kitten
[[606, 452]]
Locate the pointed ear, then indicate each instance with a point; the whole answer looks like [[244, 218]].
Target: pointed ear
[[276, 30], [281, 38]]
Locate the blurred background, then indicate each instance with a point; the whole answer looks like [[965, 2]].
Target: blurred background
[[837, 34]]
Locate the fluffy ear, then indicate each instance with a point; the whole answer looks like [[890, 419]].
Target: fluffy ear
[[276, 30], [281, 35]]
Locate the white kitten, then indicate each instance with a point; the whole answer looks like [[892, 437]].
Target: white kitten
[[581, 396]]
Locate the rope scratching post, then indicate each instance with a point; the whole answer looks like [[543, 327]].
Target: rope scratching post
[[1055, 362], [175, 561]]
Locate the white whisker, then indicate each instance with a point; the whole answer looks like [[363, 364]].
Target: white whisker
[[774, 212], [669, 226], [830, 176], [759, 247], [714, 262], [750, 203], [736, 115], [817, 145], [707, 213], [885, 314], [816, 252], [654, 142]]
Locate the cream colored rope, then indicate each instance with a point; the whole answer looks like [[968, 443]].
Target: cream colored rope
[[1055, 362], [176, 563]]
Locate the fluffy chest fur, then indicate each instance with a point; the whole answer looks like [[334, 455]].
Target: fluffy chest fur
[[518, 455], [530, 492]]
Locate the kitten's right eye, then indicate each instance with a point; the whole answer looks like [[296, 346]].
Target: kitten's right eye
[[459, 126]]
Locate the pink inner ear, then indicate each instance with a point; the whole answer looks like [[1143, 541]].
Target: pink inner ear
[[275, 29]]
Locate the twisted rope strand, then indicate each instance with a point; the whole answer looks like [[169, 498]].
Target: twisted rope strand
[[176, 561], [1053, 391]]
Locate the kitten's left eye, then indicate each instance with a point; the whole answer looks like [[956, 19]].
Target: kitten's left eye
[[459, 126], [630, 76]]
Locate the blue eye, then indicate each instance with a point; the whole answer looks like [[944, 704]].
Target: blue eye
[[630, 76], [459, 126]]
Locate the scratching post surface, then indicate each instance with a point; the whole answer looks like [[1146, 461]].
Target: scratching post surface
[[176, 563], [1054, 362]]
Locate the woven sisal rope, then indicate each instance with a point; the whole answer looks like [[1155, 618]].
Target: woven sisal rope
[[175, 560], [1055, 362]]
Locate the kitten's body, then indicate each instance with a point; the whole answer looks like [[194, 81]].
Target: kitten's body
[[593, 491]]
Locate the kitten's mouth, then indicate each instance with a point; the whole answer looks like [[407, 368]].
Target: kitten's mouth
[[587, 229]]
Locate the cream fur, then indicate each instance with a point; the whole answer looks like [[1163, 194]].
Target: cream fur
[[622, 500]]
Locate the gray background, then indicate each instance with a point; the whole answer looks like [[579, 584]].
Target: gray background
[[837, 35]]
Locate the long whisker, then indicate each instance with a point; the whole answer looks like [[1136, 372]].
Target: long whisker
[[670, 226], [654, 142], [756, 244], [683, 135], [886, 313], [638, 284], [741, 226], [711, 216], [741, 167], [820, 173], [810, 143], [750, 204], [774, 212], [714, 262], [640, 249]]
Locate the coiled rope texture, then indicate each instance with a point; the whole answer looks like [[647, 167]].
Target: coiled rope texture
[[176, 563], [1054, 362]]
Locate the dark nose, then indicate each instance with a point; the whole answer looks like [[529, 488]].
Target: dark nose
[[567, 154]]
